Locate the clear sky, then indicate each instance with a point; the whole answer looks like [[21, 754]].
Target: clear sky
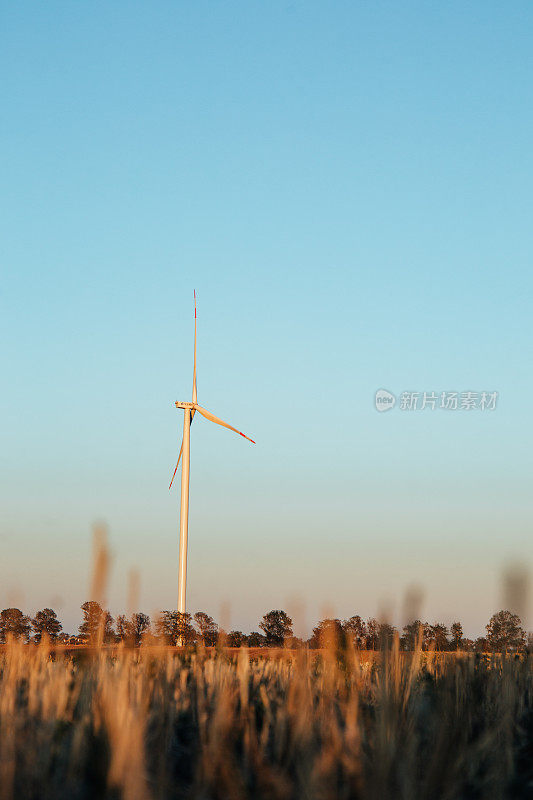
[[348, 187]]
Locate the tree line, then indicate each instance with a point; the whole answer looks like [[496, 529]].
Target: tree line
[[503, 632]]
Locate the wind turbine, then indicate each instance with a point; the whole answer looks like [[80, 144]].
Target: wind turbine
[[189, 410]]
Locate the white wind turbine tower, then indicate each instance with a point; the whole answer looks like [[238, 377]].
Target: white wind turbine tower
[[189, 410]]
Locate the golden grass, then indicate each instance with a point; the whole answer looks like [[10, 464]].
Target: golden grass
[[162, 723]]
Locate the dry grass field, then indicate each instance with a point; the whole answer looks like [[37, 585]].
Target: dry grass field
[[161, 723]]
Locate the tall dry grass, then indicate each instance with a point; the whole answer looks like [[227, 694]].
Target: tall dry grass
[[152, 723]]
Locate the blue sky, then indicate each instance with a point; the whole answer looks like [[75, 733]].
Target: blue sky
[[348, 187]]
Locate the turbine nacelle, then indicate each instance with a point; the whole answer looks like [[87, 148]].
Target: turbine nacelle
[[178, 404]]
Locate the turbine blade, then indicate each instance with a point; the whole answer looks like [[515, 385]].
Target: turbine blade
[[181, 451], [212, 418], [194, 398], [176, 467]]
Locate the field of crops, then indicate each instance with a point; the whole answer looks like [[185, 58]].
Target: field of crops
[[149, 723]]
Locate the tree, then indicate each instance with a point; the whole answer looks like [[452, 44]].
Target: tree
[[413, 633], [141, 624], [456, 631], [256, 639], [207, 628], [46, 622], [276, 625], [175, 628], [356, 630], [236, 639], [427, 636], [329, 633], [438, 635], [294, 642], [97, 625], [131, 630], [123, 628], [372, 628], [504, 631], [14, 623], [386, 634]]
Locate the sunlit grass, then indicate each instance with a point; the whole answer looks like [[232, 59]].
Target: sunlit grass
[[155, 723]]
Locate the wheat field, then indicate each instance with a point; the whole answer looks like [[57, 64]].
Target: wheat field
[[158, 723]]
